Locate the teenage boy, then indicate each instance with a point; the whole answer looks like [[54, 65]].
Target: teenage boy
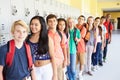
[[81, 45], [109, 28], [59, 44], [15, 56]]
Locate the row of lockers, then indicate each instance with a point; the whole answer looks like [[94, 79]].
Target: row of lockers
[[11, 10]]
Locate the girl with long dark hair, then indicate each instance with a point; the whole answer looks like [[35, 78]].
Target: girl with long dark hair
[[41, 45]]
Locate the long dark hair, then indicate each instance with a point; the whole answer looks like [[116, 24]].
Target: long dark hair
[[66, 27], [100, 31], [43, 36]]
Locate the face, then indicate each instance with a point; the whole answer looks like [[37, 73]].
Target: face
[[102, 20], [52, 23], [109, 16], [71, 23], [90, 21], [61, 25], [81, 20], [35, 26], [97, 22], [20, 33]]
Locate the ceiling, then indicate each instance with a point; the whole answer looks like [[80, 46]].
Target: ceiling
[[110, 9]]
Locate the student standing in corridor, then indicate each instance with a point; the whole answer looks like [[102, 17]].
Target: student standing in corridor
[[74, 39], [21, 67], [81, 47], [109, 28], [90, 45], [98, 43], [42, 47], [59, 44], [62, 27]]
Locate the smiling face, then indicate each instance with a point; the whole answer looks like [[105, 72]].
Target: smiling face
[[19, 30], [52, 23], [71, 23], [96, 22], [20, 33], [90, 21], [35, 26], [61, 25], [81, 20], [102, 20]]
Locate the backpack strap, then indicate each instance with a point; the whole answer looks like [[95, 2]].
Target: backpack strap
[[74, 34], [10, 54], [29, 57], [60, 34]]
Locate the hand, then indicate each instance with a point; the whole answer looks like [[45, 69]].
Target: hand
[[94, 50], [76, 39], [64, 63], [102, 47], [68, 62]]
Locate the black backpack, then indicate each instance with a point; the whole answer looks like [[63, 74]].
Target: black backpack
[[74, 35]]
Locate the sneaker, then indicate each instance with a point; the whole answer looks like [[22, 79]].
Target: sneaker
[[89, 73], [66, 75], [77, 75], [104, 60], [80, 77], [93, 68], [97, 67], [100, 64]]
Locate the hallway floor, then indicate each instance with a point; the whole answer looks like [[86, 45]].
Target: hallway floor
[[110, 69]]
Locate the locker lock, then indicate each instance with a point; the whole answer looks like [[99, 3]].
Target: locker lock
[[14, 10], [27, 12]]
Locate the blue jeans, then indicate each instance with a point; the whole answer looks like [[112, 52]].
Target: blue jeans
[[100, 57], [71, 69], [105, 50], [95, 56]]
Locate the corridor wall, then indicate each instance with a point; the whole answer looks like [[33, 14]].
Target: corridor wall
[[11, 10]]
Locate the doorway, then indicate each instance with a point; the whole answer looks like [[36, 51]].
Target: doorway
[[118, 25]]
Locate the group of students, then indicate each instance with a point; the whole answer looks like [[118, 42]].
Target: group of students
[[92, 53], [43, 50]]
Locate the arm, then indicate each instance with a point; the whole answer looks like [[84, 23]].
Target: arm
[[51, 52], [104, 37], [1, 72], [33, 77], [64, 49], [95, 40], [3, 51], [83, 32], [68, 53], [110, 34]]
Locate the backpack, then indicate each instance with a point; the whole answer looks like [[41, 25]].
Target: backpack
[[74, 35], [87, 36], [10, 54]]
